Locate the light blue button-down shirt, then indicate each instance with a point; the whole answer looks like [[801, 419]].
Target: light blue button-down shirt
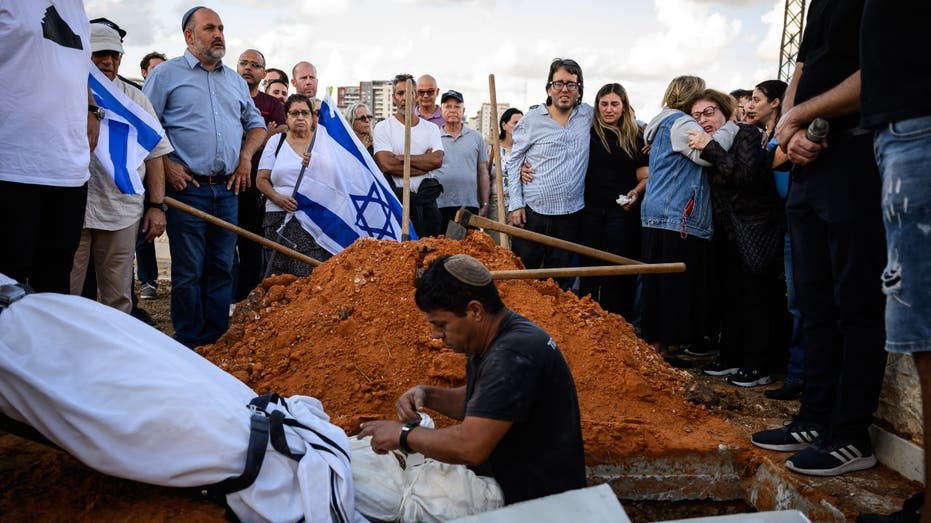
[[559, 158], [204, 113]]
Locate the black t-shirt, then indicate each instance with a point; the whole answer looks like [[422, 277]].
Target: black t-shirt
[[895, 61], [611, 172], [523, 378], [830, 51]]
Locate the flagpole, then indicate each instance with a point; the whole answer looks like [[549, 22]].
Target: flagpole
[[496, 154], [406, 195], [297, 186]]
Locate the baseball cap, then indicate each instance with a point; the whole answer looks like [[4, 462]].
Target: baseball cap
[[451, 94], [104, 37]]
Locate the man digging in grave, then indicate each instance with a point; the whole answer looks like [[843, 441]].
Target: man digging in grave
[[518, 412]]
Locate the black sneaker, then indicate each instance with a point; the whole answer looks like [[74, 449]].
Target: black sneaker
[[910, 513], [747, 377], [142, 315], [794, 436], [701, 351], [790, 390], [720, 368], [832, 460]]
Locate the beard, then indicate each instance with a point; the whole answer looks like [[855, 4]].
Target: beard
[[207, 50]]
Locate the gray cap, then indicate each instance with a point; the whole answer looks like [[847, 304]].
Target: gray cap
[[105, 38]]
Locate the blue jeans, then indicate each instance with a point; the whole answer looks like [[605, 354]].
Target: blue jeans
[[201, 264], [903, 152], [795, 369]]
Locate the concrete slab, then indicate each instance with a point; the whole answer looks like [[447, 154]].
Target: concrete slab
[[782, 516], [588, 505]]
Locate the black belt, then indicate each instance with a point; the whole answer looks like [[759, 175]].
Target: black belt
[[213, 179]]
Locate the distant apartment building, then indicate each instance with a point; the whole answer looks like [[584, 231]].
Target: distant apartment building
[[482, 121], [348, 95]]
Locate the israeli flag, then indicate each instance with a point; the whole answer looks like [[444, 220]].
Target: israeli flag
[[343, 195], [127, 133]]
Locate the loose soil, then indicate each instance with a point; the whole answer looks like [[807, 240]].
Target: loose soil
[[351, 336]]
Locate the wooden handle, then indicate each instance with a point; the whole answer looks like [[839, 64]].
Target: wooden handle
[[602, 270], [485, 223], [406, 194], [171, 202], [496, 154]]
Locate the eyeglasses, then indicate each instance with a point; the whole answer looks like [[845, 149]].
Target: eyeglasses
[[304, 112], [254, 65], [426, 92], [365, 118], [558, 85], [709, 112]]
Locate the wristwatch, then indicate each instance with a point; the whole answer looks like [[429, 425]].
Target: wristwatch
[[160, 205], [405, 430], [97, 111]]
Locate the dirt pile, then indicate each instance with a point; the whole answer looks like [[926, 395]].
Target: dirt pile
[[352, 336]]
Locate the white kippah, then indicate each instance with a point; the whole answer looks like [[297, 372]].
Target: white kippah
[[468, 270]]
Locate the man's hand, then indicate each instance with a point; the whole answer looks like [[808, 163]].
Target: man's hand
[[275, 128], [93, 131], [410, 404], [153, 223], [698, 140], [241, 179], [526, 173], [801, 150], [787, 127], [177, 177], [386, 435], [517, 217]]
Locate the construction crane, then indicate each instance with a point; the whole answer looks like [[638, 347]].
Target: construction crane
[[793, 23]]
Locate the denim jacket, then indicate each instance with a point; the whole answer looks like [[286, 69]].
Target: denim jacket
[[677, 196]]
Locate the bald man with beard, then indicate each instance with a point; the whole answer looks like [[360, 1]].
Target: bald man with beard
[[251, 67]]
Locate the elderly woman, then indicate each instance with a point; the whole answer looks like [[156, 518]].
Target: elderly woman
[[749, 230], [360, 119], [279, 169], [615, 180], [676, 217]]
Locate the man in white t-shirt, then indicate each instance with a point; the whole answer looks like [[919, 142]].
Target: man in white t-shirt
[[46, 136], [111, 218], [426, 156]]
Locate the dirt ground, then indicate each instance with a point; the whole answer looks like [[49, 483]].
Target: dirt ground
[[42, 484]]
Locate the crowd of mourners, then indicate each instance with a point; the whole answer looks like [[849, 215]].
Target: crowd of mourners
[[775, 197]]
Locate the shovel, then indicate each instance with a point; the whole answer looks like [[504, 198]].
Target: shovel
[[457, 231]]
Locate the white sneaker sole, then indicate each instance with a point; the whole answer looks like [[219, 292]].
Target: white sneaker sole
[[765, 380], [851, 466]]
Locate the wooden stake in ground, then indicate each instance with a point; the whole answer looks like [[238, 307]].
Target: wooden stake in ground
[[499, 169], [406, 195]]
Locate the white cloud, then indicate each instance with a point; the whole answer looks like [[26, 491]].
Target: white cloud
[[768, 49]]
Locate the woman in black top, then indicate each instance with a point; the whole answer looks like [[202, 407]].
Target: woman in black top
[[617, 170], [749, 231]]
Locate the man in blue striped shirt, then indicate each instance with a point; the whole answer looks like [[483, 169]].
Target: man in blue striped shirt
[[215, 128], [553, 140]]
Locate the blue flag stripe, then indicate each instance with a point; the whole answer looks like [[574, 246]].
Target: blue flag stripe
[[146, 136], [331, 224], [341, 136], [118, 138]]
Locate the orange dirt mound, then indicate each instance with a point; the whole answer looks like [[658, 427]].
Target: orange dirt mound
[[351, 335]]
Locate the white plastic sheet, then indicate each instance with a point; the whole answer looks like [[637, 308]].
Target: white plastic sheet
[[131, 402]]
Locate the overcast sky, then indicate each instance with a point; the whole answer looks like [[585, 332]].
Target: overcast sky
[[641, 44]]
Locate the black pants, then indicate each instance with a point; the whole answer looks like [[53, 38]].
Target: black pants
[[40, 229], [536, 255], [250, 271], [753, 309], [837, 261], [616, 231]]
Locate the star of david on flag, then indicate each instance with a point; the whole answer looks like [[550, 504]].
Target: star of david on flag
[[343, 195]]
